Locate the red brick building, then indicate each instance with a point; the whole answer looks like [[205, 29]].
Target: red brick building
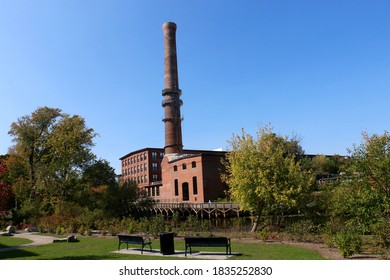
[[192, 177], [144, 167]]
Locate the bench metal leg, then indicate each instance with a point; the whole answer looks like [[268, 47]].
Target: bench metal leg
[[150, 248], [185, 254]]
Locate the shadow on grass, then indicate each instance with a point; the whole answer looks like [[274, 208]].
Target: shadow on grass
[[88, 257], [114, 257], [19, 253]]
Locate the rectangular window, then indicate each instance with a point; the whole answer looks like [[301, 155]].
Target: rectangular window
[[154, 155], [195, 185], [176, 187], [154, 166], [157, 191]]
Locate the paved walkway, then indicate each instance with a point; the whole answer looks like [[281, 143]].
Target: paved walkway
[[178, 254], [34, 237]]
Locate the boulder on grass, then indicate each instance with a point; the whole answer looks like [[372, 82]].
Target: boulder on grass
[[72, 238], [11, 229]]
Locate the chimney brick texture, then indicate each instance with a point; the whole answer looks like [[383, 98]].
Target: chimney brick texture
[[171, 93]]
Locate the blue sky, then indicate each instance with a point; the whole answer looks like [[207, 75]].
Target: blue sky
[[319, 70]]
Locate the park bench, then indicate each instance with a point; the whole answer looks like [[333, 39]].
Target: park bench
[[134, 239], [207, 242]]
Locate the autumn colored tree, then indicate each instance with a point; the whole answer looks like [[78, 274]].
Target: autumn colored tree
[[6, 194], [263, 174]]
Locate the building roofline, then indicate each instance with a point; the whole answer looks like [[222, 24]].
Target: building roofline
[[185, 151], [138, 151]]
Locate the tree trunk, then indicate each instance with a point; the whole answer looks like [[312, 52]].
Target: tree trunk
[[256, 224]]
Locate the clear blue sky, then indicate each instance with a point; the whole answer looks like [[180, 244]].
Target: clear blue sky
[[316, 69]]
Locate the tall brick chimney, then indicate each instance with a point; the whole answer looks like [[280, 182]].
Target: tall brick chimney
[[171, 93]]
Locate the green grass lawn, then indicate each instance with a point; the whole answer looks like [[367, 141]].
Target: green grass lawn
[[95, 248], [9, 241]]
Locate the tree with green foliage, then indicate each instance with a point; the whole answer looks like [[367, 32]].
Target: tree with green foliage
[[371, 160], [69, 153], [331, 165], [51, 151], [30, 134], [124, 200], [370, 164], [97, 177], [264, 175], [361, 204]]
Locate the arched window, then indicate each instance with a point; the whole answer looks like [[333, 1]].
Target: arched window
[[193, 164], [184, 166]]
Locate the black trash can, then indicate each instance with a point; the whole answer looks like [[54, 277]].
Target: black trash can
[[167, 245]]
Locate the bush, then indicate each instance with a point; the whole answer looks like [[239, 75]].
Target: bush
[[381, 230], [303, 231], [348, 242], [143, 225], [264, 234], [156, 225], [51, 224], [191, 224]]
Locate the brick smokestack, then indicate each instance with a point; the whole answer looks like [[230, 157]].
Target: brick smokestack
[[171, 93]]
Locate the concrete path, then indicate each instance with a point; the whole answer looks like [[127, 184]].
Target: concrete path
[[178, 254], [34, 237]]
